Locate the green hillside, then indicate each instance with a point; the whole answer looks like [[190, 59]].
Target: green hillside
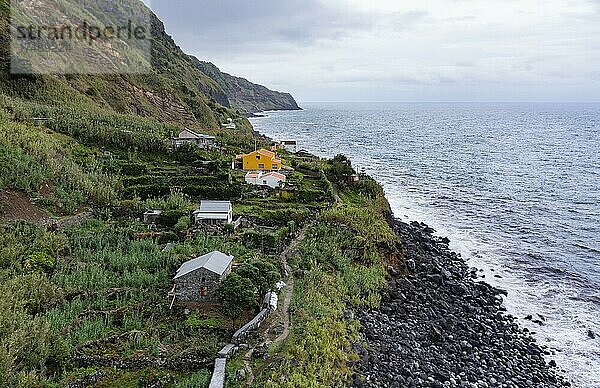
[[175, 90]]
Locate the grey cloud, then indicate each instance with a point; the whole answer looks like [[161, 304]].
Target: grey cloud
[[233, 24], [405, 20]]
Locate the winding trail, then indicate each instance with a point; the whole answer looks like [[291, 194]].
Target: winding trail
[[290, 251]]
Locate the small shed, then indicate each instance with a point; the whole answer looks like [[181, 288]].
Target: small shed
[[289, 145], [213, 213], [152, 216], [230, 124], [197, 279]]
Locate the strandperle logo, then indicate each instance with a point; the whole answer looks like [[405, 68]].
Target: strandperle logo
[[85, 31], [80, 37]]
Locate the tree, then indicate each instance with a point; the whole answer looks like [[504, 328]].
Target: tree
[[261, 273], [340, 168], [237, 294]]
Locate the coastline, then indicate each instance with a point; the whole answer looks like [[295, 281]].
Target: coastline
[[437, 327]]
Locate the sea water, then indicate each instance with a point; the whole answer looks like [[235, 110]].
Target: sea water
[[516, 187]]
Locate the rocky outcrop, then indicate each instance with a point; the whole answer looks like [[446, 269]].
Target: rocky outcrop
[[437, 327], [244, 95]]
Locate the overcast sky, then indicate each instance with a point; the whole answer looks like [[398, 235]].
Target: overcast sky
[[386, 50]]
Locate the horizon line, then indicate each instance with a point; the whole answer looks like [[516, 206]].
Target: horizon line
[[453, 101]]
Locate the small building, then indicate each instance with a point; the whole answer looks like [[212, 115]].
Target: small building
[[286, 191], [187, 136], [152, 216], [270, 179], [354, 178], [197, 279], [213, 213], [230, 124], [260, 160], [289, 145]]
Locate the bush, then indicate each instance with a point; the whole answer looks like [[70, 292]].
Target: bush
[[40, 260], [262, 274], [183, 223], [237, 294]]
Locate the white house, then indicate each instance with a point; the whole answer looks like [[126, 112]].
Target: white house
[[230, 124], [213, 213], [289, 145], [271, 179], [191, 137]]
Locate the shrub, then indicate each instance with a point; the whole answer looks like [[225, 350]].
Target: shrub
[[237, 294], [40, 260]]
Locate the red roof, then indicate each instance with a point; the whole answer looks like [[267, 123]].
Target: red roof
[[277, 175], [263, 152]]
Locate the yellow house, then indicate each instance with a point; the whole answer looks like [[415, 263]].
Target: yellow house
[[261, 160]]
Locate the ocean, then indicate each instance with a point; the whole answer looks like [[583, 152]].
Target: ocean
[[516, 188]]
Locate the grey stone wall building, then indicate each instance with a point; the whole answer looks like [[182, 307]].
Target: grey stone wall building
[[190, 137], [197, 279]]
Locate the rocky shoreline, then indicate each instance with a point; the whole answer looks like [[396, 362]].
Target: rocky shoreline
[[437, 327]]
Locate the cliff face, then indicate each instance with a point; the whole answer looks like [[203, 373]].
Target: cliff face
[[245, 95], [174, 88]]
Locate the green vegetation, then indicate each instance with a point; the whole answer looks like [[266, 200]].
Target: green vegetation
[[31, 157], [342, 260], [243, 94], [86, 295]]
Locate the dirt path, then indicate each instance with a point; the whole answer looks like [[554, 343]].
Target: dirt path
[[17, 205], [289, 251], [336, 197]]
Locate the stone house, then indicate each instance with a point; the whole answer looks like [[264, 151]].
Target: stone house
[[190, 137], [197, 279]]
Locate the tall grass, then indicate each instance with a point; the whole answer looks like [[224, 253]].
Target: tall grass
[[30, 157]]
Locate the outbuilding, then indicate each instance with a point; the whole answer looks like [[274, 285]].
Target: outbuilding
[[213, 213], [152, 216], [190, 137], [289, 145], [197, 279], [271, 179]]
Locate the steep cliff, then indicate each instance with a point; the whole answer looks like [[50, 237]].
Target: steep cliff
[[245, 95], [173, 87]]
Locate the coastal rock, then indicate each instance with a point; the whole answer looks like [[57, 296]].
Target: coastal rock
[[591, 334], [438, 328]]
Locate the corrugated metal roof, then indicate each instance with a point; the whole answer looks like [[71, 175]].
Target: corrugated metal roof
[[189, 134], [215, 206], [215, 261], [211, 216]]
